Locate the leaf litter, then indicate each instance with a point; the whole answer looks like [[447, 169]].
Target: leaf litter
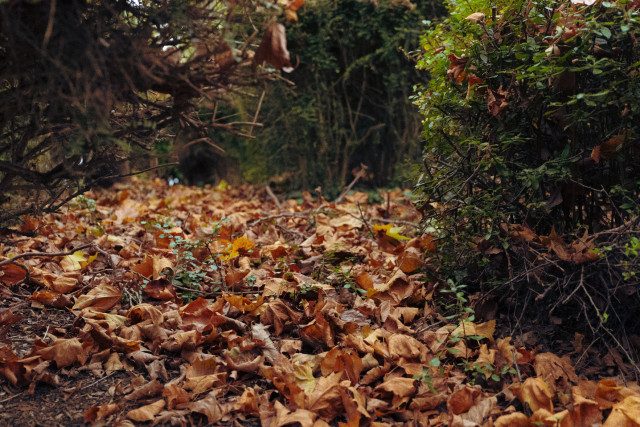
[[211, 306]]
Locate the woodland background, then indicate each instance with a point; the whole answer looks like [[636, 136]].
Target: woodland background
[[514, 123]]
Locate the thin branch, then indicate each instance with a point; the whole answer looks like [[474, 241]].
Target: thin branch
[[43, 254]]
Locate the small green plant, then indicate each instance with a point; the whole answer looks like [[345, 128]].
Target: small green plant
[[189, 273], [630, 265], [427, 378], [83, 202]]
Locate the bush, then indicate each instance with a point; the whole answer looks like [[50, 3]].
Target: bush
[[532, 126], [531, 117]]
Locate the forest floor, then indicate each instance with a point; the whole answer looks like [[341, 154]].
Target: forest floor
[[174, 305]]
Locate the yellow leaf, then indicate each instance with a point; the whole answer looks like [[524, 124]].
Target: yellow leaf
[[390, 231], [73, 262], [89, 261], [222, 186], [394, 232], [304, 377]]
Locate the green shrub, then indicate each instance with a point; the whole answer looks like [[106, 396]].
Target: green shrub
[[532, 117]]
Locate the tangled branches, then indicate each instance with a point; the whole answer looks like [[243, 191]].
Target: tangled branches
[[593, 293], [87, 86]]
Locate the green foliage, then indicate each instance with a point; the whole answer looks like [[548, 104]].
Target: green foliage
[[349, 104], [531, 116]]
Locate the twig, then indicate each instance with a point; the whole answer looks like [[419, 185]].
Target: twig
[[98, 380], [364, 220], [205, 140], [360, 174], [12, 397], [274, 197], [164, 165], [613, 337], [255, 116], [515, 364], [45, 254]]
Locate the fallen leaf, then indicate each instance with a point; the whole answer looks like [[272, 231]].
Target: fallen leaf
[[625, 413], [97, 413], [66, 352], [462, 399], [11, 274], [147, 412], [161, 289], [536, 393], [273, 48], [101, 298]]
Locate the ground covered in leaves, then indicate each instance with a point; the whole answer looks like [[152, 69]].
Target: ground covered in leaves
[[175, 305]]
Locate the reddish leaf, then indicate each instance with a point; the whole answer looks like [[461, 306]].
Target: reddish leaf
[[11, 274], [161, 289], [273, 48]]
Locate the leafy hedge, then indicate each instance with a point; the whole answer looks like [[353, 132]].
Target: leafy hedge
[[532, 117]]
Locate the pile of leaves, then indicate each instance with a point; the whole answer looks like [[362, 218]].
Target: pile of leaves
[[185, 306]]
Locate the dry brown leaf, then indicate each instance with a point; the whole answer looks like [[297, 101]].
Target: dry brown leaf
[[462, 399], [273, 48], [401, 345], [182, 341], [101, 298], [554, 370], [608, 393], [625, 413], [400, 389], [161, 289], [147, 412], [66, 352], [248, 402], [410, 260], [150, 389], [517, 419], [345, 361], [585, 412], [536, 393], [486, 329], [326, 398], [301, 417], [209, 407], [142, 312], [97, 413]]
